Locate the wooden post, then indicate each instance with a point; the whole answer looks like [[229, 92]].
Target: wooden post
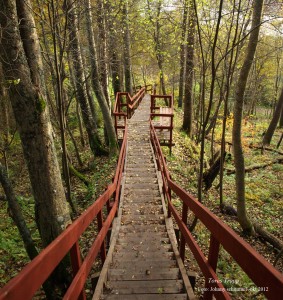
[[212, 260], [103, 247], [183, 242], [76, 262]]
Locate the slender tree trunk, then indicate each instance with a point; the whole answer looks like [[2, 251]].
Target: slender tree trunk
[[237, 124], [182, 54], [158, 50], [32, 116], [231, 63], [274, 121], [59, 75], [16, 214], [113, 51], [113, 146], [157, 44], [189, 77], [82, 139], [101, 24], [281, 119], [80, 80], [18, 218], [4, 116], [127, 49]]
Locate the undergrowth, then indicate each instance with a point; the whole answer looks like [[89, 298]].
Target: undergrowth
[[264, 197]]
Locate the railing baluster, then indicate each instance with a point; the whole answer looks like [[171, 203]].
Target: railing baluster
[[212, 260], [103, 247], [183, 242], [76, 262]]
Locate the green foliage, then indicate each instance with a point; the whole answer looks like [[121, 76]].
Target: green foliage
[[14, 82]]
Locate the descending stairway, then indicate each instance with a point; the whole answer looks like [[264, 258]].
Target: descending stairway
[[143, 261]]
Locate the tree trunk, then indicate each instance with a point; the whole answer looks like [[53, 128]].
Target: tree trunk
[[189, 77], [157, 43], [112, 48], [32, 116], [281, 118], [16, 214], [108, 123], [103, 69], [158, 50], [59, 75], [127, 50], [237, 124], [80, 80], [274, 121], [182, 54], [4, 116], [18, 218]]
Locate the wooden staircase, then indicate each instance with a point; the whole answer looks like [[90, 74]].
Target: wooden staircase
[[143, 261]]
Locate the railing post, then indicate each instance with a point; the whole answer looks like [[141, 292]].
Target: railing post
[[212, 261], [103, 247], [183, 242], [171, 134], [169, 200], [119, 102], [76, 262], [152, 100]]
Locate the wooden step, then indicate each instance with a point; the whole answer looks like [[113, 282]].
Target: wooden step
[[146, 187], [143, 255], [147, 247], [138, 179], [141, 236], [143, 240], [143, 228], [142, 210], [146, 297], [137, 218], [150, 274], [140, 192], [165, 263], [145, 287]]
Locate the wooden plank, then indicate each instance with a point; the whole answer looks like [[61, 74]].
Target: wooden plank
[[146, 297], [169, 263], [140, 236], [142, 255], [136, 218], [139, 209], [144, 274], [145, 247], [141, 185], [143, 228], [146, 287]]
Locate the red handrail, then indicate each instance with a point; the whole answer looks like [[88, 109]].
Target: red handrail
[[168, 114], [30, 279], [264, 275], [131, 104]]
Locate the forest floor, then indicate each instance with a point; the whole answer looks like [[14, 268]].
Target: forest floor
[[264, 196], [99, 171]]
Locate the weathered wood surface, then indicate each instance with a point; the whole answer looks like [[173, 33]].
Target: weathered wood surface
[[143, 263]]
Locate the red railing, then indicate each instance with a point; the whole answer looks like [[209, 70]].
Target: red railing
[[148, 88], [164, 117], [124, 107], [30, 279], [268, 280]]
